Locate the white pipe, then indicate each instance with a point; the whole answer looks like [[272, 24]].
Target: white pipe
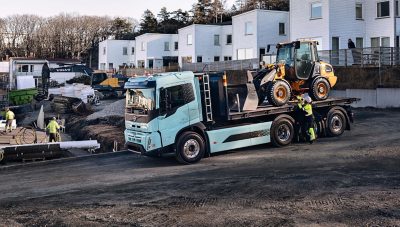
[[86, 144]]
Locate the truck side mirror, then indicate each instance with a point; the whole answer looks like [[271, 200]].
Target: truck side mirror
[[296, 45], [268, 48]]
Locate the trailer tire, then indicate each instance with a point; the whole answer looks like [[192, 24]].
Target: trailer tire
[[336, 123], [278, 92], [282, 132], [319, 89], [190, 148]]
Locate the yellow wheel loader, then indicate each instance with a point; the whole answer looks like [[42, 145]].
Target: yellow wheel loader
[[297, 70]]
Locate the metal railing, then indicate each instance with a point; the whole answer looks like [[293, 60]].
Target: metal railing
[[222, 65], [364, 57]]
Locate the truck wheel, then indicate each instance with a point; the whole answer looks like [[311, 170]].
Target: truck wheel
[[282, 132], [319, 89], [336, 123], [190, 148], [278, 92]]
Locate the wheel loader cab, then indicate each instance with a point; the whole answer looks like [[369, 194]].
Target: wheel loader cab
[[299, 59]]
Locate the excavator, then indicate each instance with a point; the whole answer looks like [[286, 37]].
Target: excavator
[[297, 70]]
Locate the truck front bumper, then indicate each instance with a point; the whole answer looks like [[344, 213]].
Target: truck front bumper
[[142, 142]]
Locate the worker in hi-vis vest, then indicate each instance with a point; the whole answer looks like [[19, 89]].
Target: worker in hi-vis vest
[[53, 127], [9, 119], [304, 103]]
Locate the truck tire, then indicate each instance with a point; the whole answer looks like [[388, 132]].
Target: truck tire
[[282, 132], [336, 123], [278, 92], [319, 89], [190, 148]]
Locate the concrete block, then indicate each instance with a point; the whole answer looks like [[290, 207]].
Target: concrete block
[[388, 97], [368, 97]]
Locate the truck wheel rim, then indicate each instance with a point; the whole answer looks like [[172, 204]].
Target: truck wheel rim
[[283, 133], [336, 124], [191, 148]]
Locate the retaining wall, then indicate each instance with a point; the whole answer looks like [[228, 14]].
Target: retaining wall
[[378, 98]]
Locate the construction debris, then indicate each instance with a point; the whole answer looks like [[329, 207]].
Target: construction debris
[[114, 109]]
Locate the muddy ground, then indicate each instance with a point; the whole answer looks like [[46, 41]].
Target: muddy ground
[[352, 180]]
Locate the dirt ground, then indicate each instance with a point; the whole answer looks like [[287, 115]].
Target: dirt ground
[[352, 180]]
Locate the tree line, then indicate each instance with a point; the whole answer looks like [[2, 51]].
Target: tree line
[[74, 36]]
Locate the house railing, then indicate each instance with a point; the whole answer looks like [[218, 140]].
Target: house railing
[[222, 65], [364, 57]]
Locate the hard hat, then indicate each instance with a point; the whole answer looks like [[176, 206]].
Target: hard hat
[[54, 118], [307, 99], [7, 109]]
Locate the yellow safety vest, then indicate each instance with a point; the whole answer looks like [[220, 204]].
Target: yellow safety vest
[[10, 115], [308, 109], [53, 126]]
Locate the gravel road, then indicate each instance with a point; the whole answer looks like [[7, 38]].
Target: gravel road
[[352, 180]]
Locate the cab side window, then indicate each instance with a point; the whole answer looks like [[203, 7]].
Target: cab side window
[[180, 95]]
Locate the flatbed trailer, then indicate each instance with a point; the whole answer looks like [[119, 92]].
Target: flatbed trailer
[[197, 115]]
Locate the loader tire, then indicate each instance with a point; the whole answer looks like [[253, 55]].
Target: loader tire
[[190, 148], [282, 131], [336, 123], [278, 92], [319, 89]]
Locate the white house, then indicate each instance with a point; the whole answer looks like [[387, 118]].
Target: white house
[[115, 53], [205, 43], [253, 31], [155, 50], [369, 23]]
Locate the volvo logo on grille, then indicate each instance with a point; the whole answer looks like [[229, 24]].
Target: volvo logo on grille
[[134, 118]]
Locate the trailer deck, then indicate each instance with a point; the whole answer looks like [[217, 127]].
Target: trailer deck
[[272, 110]]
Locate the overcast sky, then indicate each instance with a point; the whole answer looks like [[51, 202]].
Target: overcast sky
[[113, 8]]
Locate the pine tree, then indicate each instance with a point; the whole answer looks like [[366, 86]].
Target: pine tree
[[121, 28], [148, 23]]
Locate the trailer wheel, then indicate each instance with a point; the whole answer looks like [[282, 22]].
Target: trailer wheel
[[190, 148], [336, 123], [319, 89], [278, 92], [282, 132]]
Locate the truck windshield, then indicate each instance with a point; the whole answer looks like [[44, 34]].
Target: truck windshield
[[285, 53], [140, 101]]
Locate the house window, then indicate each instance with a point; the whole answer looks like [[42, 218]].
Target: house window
[[125, 51], [316, 10], [243, 54], [282, 29], [397, 8], [383, 9], [187, 59], [104, 50], [248, 28], [199, 59], [375, 42], [216, 40], [385, 42], [133, 51], [359, 42], [142, 45], [216, 58], [166, 46], [227, 58], [110, 66], [228, 39], [189, 39], [359, 11], [102, 66], [176, 46]]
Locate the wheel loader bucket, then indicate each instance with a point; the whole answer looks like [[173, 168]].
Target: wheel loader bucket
[[243, 97]]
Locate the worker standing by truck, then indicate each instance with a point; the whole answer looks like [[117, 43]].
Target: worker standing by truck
[[9, 119], [53, 128], [306, 107]]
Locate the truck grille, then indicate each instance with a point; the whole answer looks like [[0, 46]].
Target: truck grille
[[136, 137]]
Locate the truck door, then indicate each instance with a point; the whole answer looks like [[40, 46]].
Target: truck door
[[304, 64], [174, 111]]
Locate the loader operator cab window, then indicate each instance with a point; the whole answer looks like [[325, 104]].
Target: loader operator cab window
[[285, 55], [304, 63]]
